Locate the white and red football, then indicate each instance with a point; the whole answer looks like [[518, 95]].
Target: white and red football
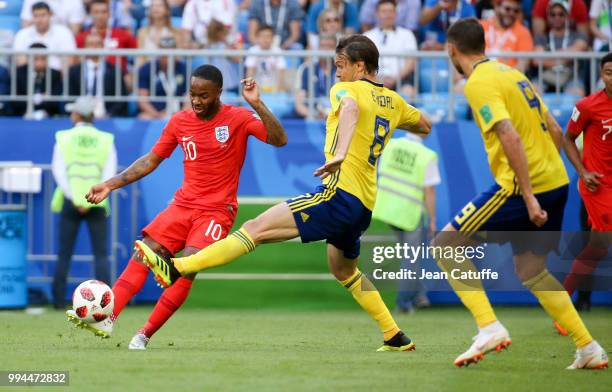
[[93, 301]]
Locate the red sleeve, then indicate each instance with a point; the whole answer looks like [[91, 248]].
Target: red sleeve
[[579, 12], [579, 120], [253, 125], [167, 141], [539, 9]]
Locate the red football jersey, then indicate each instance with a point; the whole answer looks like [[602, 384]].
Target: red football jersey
[[214, 153], [593, 116]]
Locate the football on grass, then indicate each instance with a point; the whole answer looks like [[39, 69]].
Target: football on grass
[[93, 301]]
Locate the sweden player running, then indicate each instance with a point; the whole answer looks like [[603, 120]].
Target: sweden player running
[[522, 141], [363, 116]]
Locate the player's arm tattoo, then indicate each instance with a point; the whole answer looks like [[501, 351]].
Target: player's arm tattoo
[[138, 169], [276, 133], [515, 152], [555, 131]]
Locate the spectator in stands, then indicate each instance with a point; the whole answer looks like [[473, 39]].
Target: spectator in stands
[[324, 77], [54, 36], [601, 25], [70, 13], [394, 71], [579, 16], [96, 78], [218, 35], [505, 33], [198, 14], [41, 108], [82, 156], [486, 9], [5, 89], [349, 15], [268, 71], [328, 22], [159, 27], [285, 18], [408, 12], [437, 16], [167, 87], [560, 38], [114, 37]]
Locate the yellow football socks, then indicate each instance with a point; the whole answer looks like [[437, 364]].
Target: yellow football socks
[[368, 297], [558, 304], [221, 252], [470, 291]]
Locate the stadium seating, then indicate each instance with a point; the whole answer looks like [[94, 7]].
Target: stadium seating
[[433, 75], [10, 7], [280, 104], [560, 105], [10, 22], [436, 105]]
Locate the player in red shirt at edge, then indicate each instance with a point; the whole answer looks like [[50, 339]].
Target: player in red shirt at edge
[[213, 137], [592, 116]]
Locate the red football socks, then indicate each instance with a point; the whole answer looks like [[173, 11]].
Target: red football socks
[[129, 283], [583, 267], [171, 299]]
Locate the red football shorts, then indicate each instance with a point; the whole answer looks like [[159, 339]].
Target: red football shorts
[[176, 227], [599, 206]]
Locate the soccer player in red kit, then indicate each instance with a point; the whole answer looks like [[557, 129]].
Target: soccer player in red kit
[[213, 137], [592, 117]]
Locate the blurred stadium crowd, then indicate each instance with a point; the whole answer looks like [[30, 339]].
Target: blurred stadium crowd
[[38, 86]]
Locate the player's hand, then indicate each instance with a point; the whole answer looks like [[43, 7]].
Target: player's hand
[[97, 193], [250, 90], [330, 167], [591, 180], [536, 214]]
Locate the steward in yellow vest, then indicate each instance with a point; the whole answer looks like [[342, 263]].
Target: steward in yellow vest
[[82, 156]]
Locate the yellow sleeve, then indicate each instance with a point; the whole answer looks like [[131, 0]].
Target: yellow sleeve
[[410, 115], [487, 104], [338, 92]]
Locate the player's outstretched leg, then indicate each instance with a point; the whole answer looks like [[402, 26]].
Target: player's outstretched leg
[[127, 285], [366, 295], [532, 271], [492, 335], [274, 225]]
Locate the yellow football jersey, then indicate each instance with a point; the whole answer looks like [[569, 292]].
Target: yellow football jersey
[[380, 111], [497, 92]]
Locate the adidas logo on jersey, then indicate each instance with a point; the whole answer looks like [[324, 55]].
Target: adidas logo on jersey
[[304, 216]]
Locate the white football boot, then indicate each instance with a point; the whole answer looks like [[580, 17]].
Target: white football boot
[[103, 328], [492, 337], [591, 356], [139, 342]]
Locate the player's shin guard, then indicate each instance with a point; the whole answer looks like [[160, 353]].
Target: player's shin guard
[[221, 252], [557, 303], [583, 267], [128, 284], [171, 299], [368, 297], [470, 291]]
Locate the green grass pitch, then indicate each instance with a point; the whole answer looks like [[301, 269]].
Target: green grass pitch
[[203, 349], [296, 336]]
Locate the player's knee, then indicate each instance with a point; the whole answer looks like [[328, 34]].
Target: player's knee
[[342, 272], [525, 271], [255, 229]]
